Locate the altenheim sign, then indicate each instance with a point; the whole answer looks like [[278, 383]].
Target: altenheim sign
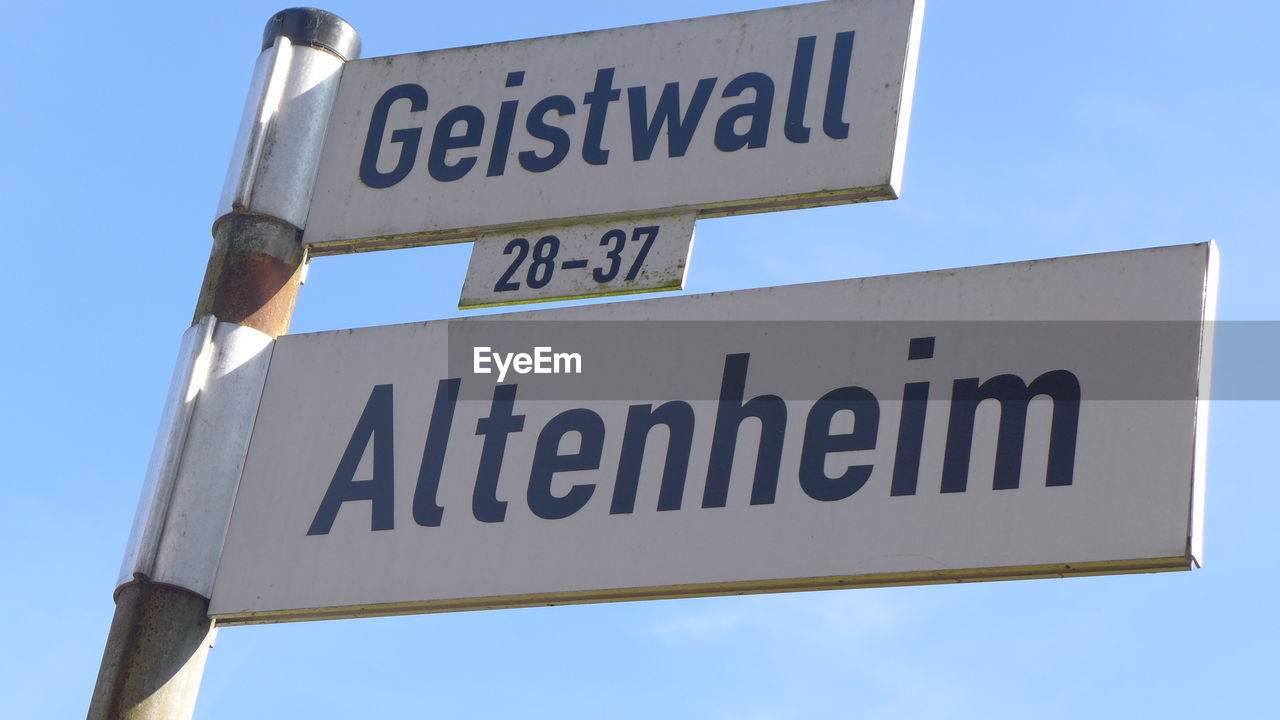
[[1024, 420], [773, 109]]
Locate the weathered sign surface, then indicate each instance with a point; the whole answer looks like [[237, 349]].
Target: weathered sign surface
[[617, 257], [1022, 420], [773, 109]]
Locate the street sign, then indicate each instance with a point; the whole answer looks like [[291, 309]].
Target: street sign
[[613, 258], [1032, 419], [790, 107]]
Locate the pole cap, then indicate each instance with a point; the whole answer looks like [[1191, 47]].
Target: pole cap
[[317, 28]]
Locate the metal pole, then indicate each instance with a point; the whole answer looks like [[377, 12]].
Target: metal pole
[[161, 632]]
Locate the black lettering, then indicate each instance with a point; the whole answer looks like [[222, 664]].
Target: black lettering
[[547, 461], [538, 128], [472, 118], [793, 127], [833, 123], [645, 130], [485, 504], [426, 511], [641, 420], [376, 424], [759, 110], [906, 461], [818, 442], [407, 137], [770, 410], [506, 122], [598, 99], [1061, 386], [915, 402]]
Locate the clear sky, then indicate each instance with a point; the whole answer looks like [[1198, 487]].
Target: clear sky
[[1039, 130]]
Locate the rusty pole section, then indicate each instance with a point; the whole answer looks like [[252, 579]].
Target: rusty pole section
[[161, 633], [253, 274]]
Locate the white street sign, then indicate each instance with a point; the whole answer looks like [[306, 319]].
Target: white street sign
[[614, 258], [1024, 420], [790, 107]]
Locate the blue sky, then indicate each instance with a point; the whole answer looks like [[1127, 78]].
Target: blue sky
[[1039, 130]]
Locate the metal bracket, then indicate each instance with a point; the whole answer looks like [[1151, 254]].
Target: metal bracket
[[198, 456], [277, 151]]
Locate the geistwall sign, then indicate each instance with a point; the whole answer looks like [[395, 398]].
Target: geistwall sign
[[1032, 419], [790, 107]]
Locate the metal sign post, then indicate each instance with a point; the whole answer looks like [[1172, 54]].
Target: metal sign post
[[161, 632], [851, 478]]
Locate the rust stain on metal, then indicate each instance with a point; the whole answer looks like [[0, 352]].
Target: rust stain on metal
[[254, 273], [162, 634], [253, 289]]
